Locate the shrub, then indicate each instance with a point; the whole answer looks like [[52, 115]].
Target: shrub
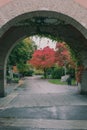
[[9, 79], [57, 73], [38, 72], [28, 73], [15, 80]]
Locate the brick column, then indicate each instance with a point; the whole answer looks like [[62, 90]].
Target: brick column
[[2, 94], [84, 83]]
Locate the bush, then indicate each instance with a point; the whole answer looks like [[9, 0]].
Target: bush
[[71, 71], [28, 73], [57, 73], [38, 72], [9, 79], [15, 80]]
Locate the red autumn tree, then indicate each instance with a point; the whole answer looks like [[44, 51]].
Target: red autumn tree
[[63, 56], [43, 59]]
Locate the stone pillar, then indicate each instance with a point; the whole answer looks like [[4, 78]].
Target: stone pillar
[[2, 94], [84, 83]]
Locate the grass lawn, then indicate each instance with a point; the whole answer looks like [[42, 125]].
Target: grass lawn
[[58, 81]]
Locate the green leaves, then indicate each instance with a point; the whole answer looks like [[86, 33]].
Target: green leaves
[[22, 52]]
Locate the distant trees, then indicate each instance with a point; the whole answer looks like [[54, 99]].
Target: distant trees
[[50, 60], [46, 58], [62, 54], [63, 57], [20, 54]]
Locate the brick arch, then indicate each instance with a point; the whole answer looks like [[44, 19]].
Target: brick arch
[[11, 14], [70, 24], [70, 8]]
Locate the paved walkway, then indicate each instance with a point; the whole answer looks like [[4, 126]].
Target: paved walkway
[[40, 105]]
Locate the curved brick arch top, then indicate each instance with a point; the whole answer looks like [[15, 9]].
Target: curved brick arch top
[[43, 22], [70, 8], [72, 14]]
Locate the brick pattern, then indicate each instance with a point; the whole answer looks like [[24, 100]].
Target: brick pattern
[[69, 8]]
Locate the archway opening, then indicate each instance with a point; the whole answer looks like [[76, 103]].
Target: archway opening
[[57, 63]]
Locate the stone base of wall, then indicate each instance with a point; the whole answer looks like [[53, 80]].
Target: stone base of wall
[[84, 83], [83, 92], [2, 94]]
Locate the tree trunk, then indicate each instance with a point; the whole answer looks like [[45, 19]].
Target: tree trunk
[[65, 70], [45, 74]]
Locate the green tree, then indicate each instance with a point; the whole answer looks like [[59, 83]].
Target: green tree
[[21, 54]]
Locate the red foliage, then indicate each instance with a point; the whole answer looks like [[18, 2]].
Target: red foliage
[[44, 58], [62, 54], [47, 57]]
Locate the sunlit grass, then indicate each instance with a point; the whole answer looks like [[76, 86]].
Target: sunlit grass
[[58, 81]]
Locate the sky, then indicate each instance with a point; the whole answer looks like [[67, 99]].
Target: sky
[[43, 42]]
